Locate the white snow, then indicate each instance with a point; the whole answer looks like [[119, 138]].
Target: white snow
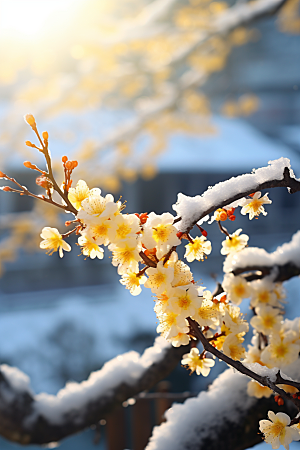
[[195, 419], [263, 371], [17, 379], [126, 368], [252, 256], [191, 208]]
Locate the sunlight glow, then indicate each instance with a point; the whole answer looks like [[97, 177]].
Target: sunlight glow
[[29, 18]]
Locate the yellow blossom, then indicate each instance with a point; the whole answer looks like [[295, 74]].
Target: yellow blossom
[[255, 389], [90, 247], [236, 288], [233, 348], [132, 282], [185, 301], [160, 278], [281, 351], [53, 241], [78, 194], [267, 320], [196, 364], [276, 430], [254, 206], [126, 256], [234, 243], [197, 249]]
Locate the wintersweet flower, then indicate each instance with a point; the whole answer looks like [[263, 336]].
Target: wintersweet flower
[[160, 278], [197, 249], [196, 364], [78, 194], [255, 389], [281, 351], [53, 241], [162, 302], [90, 246], [180, 339], [254, 206], [159, 232], [253, 355], [236, 288], [267, 321], [126, 255], [276, 430], [206, 315], [133, 281], [262, 292], [233, 348], [185, 301], [126, 226], [233, 320], [101, 230], [234, 243], [171, 324], [182, 274], [95, 206]]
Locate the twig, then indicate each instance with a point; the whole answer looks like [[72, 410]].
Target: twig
[[265, 381]]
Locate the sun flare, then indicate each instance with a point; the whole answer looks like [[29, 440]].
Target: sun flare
[[30, 18]]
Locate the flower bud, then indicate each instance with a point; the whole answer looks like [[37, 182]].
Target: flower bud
[[44, 182], [29, 144], [69, 165], [27, 164], [6, 189], [64, 159], [45, 135], [2, 175], [75, 164], [29, 119]]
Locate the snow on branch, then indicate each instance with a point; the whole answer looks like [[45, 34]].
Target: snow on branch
[[224, 417], [191, 210], [283, 263], [40, 419]]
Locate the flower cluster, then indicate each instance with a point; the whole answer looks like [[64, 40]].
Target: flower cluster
[[144, 251]]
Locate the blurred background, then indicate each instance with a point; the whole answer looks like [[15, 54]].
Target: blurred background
[[152, 98]]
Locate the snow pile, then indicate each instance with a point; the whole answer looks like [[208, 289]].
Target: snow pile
[[193, 421], [255, 257], [17, 379], [192, 208], [126, 368]]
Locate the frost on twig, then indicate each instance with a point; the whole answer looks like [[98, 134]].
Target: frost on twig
[[27, 418], [222, 418]]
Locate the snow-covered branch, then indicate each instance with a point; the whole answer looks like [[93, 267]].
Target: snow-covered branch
[[223, 418], [27, 418], [283, 263], [191, 210]]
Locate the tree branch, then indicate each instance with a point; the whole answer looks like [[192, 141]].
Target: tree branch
[[222, 418], [40, 419], [256, 263], [264, 380], [191, 210]]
